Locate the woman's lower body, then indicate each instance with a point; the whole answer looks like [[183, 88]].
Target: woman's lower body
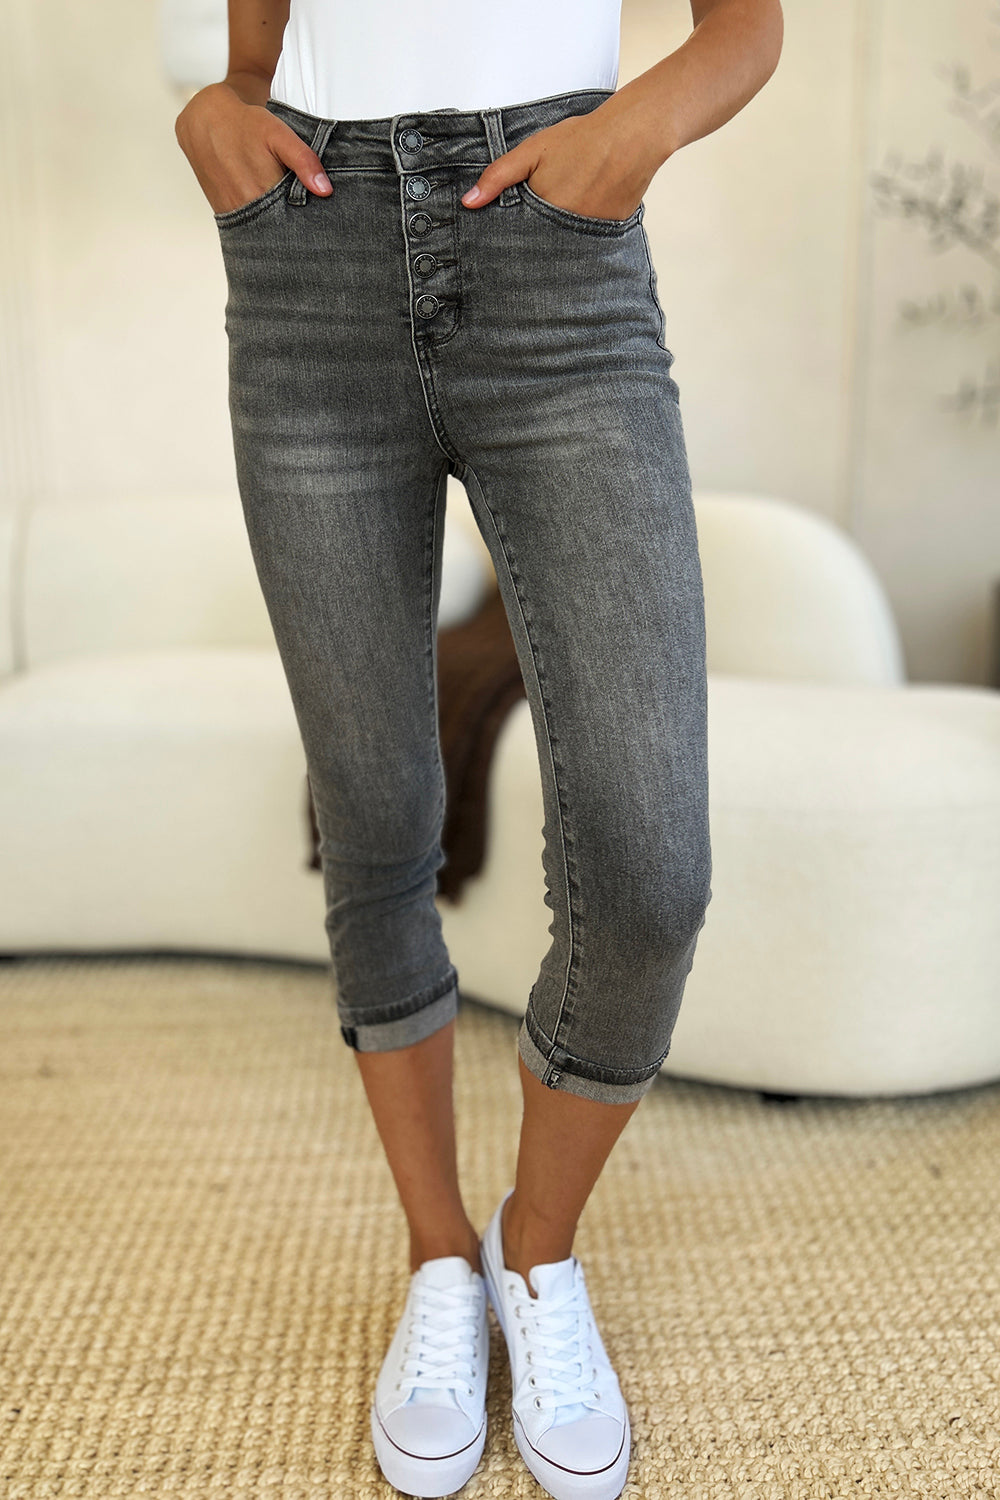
[[381, 340]]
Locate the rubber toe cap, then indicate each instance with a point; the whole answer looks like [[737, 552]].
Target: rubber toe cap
[[426, 1431], [584, 1446]]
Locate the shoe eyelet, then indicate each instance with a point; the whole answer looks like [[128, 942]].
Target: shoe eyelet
[[531, 1380], [538, 1403]]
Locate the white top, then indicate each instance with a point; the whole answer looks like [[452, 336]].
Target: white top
[[371, 59]]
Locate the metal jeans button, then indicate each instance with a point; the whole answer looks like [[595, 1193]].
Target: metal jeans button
[[427, 306], [410, 140], [420, 223], [425, 264], [417, 187]]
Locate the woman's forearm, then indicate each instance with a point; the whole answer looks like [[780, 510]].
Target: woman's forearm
[[256, 29], [238, 149], [727, 59], [251, 87]]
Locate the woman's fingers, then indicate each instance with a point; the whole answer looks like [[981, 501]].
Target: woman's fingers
[[513, 166], [285, 151], [293, 151], [240, 151]]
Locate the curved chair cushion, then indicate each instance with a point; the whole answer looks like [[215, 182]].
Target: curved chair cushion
[[851, 945], [156, 799], [854, 945], [788, 594], [170, 571]]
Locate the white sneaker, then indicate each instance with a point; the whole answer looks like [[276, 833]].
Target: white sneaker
[[570, 1419], [428, 1415]]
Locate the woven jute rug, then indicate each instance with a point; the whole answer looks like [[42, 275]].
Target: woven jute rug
[[203, 1257]]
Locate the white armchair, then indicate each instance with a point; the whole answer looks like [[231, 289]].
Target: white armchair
[[152, 791], [152, 782], [852, 943]]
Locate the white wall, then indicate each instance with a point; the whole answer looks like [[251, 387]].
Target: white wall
[[798, 375], [782, 288]]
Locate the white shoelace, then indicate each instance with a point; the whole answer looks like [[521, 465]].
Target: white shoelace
[[560, 1353], [440, 1347]]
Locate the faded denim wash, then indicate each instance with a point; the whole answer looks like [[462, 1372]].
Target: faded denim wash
[[380, 340]]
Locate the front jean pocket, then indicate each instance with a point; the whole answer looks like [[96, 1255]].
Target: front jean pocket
[[248, 211], [578, 223]]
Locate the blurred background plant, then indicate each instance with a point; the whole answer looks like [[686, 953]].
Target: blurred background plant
[[956, 203]]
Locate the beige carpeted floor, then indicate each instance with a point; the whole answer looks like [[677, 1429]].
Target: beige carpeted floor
[[203, 1258]]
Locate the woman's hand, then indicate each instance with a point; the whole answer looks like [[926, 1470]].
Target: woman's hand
[[238, 150], [584, 163]]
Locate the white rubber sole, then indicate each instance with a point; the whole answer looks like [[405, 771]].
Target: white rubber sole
[[429, 1478], [561, 1484]]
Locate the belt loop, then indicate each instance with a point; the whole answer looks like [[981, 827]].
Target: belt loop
[[323, 132], [493, 125]]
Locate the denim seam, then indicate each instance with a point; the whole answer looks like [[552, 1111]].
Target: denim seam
[[497, 142], [431, 574], [563, 841], [246, 212], [372, 170], [596, 1072], [652, 291], [275, 106], [426, 373], [298, 193], [547, 98], [582, 224], [399, 1010]]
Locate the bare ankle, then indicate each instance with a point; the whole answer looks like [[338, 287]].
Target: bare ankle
[[522, 1251], [462, 1241]]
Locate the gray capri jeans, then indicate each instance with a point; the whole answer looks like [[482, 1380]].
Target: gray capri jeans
[[381, 339]]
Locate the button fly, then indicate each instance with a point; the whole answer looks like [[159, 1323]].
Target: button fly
[[434, 318]]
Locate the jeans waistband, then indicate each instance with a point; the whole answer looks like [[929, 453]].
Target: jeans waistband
[[416, 139]]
